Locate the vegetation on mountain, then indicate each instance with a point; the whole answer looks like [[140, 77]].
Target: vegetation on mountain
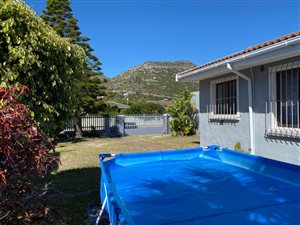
[[144, 108], [32, 54], [153, 81]]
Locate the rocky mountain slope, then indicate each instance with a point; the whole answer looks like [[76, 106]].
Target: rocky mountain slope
[[153, 79]]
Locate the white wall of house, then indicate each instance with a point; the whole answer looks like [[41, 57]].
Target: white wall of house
[[226, 133], [223, 133]]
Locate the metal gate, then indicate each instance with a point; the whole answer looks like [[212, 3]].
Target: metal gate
[[143, 124], [96, 125]]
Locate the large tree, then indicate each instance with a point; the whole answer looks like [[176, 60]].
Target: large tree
[[58, 14], [32, 54]]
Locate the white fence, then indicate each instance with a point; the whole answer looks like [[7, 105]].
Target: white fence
[[122, 125]]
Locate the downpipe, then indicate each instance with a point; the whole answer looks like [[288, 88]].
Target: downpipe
[[250, 100]]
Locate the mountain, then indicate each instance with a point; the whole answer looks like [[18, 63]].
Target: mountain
[[152, 81]]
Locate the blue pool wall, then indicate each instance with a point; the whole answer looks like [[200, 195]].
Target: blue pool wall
[[285, 172]]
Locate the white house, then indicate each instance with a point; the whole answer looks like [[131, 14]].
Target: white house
[[252, 97]]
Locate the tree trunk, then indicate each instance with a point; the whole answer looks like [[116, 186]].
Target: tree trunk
[[78, 127]]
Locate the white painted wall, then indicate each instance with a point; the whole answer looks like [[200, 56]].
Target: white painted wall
[[227, 134]]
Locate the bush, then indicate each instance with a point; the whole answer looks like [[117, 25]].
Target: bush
[[182, 112], [32, 54], [144, 108], [24, 156], [238, 147]]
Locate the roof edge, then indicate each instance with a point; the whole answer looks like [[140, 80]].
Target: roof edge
[[243, 55]]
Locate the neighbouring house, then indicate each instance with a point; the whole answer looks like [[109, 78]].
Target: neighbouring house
[[252, 97]]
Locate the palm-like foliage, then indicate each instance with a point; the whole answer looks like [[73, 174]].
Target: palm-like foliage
[[181, 111]]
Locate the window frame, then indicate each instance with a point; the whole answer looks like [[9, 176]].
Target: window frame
[[213, 89], [274, 129]]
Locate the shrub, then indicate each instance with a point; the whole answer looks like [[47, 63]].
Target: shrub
[[24, 156], [32, 54], [238, 147], [182, 112]]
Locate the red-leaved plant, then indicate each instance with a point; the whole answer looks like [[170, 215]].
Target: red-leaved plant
[[24, 156]]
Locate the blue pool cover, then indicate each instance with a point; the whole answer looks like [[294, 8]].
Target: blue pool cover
[[199, 187]]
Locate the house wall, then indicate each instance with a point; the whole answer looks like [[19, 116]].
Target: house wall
[[227, 134]]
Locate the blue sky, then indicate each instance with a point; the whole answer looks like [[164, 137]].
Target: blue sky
[[127, 33]]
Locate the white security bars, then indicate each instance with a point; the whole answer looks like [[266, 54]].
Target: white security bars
[[284, 106], [224, 99]]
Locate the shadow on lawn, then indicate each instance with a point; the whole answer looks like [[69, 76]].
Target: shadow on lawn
[[69, 194]]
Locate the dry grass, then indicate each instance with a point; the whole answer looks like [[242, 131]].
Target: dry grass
[[76, 183]]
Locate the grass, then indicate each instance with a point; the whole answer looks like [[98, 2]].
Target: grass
[[76, 183]]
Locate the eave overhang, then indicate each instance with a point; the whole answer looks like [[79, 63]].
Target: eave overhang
[[271, 53]]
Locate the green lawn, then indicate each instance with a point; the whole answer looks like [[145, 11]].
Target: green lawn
[[76, 183]]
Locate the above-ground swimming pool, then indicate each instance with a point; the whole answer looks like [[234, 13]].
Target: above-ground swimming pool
[[198, 186]]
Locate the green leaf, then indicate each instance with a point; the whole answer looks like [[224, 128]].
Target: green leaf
[[32, 114]]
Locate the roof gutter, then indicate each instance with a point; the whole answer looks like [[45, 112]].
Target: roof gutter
[[185, 76], [250, 100]]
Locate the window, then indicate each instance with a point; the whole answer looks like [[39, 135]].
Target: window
[[287, 98], [224, 99], [284, 103]]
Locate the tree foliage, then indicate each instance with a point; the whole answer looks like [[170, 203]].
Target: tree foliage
[[24, 155], [32, 54], [182, 113], [92, 94], [58, 14]]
